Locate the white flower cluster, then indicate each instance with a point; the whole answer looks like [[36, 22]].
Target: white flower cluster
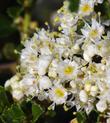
[[69, 67]]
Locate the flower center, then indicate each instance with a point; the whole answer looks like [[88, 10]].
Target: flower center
[[68, 70], [59, 92], [93, 33], [86, 8]]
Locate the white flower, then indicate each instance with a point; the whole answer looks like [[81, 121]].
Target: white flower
[[28, 57], [89, 52], [105, 95], [45, 50], [94, 91], [28, 80], [101, 105], [67, 69], [75, 49], [83, 96], [108, 120], [73, 84], [68, 23], [58, 94], [44, 82], [43, 63], [93, 32], [42, 35], [86, 7], [87, 86], [66, 19], [64, 40], [17, 94], [32, 91], [52, 72], [13, 83], [7, 84], [29, 85], [108, 76]]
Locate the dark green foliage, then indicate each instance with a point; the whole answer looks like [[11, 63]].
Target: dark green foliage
[[104, 9], [14, 114], [74, 5], [93, 117], [14, 12], [6, 27], [18, 112], [36, 112], [3, 100], [81, 117]]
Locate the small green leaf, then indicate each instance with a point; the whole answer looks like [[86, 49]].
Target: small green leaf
[[3, 99], [13, 114], [14, 12], [94, 116], [37, 111], [74, 5], [81, 117]]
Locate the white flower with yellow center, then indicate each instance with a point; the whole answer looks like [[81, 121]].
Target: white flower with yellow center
[[86, 7], [67, 69], [58, 94], [93, 32]]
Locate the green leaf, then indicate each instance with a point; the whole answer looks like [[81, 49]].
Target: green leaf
[[14, 12], [3, 99], [6, 28], [13, 114], [51, 113], [37, 111], [74, 5], [81, 117], [94, 116]]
